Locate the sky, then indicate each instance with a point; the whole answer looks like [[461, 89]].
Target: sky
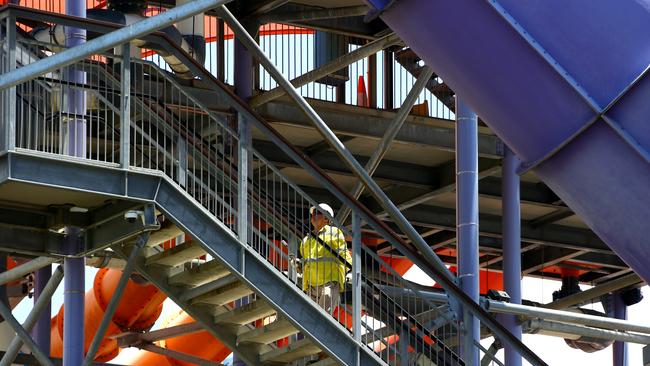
[[552, 350]]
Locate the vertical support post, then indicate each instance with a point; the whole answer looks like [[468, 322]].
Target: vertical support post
[[244, 130], [75, 141], [511, 248], [41, 332], [125, 108], [356, 277], [389, 73], [244, 89], [221, 50], [372, 80], [10, 117], [467, 223], [619, 310]]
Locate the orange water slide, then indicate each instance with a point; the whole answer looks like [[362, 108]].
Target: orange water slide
[[139, 308]]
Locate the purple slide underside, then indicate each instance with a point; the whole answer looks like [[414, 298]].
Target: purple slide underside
[[601, 171]]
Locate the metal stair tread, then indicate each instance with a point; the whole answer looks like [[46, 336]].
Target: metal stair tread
[[245, 314], [224, 294], [177, 255], [269, 333], [199, 274], [291, 352]]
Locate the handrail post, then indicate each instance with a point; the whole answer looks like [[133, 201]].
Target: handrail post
[[10, 96], [125, 107], [356, 276]]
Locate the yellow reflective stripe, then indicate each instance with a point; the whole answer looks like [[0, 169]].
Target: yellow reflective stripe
[[324, 259]]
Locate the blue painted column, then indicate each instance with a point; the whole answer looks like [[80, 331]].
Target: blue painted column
[[75, 145], [511, 248], [619, 311], [244, 89], [41, 331], [467, 222]]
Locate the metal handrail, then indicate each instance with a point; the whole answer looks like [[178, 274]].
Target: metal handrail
[[273, 169]]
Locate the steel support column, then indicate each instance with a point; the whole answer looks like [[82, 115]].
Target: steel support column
[[243, 81], [619, 310], [467, 223], [74, 145], [511, 248]]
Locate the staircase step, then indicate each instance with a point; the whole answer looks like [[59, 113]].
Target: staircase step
[[224, 295], [245, 314], [177, 255], [292, 352], [324, 362], [269, 333], [199, 274], [166, 232], [408, 55]]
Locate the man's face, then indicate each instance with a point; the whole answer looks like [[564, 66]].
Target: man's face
[[318, 220]]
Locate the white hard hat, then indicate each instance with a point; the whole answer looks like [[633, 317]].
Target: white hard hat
[[323, 207]]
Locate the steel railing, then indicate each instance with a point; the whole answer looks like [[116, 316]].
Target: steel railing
[[173, 133]]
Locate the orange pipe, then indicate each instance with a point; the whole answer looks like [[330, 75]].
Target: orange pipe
[[201, 344], [138, 309]]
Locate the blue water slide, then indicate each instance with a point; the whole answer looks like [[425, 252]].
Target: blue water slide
[[564, 84]]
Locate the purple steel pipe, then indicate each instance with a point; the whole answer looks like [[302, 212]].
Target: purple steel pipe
[[511, 248], [467, 221], [74, 268], [619, 350], [538, 72], [41, 331]]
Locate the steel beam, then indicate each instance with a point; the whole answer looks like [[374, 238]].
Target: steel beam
[[329, 68], [117, 229], [186, 357], [576, 331], [389, 136], [316, 14], [24, 269], [356, 121], [29, 241], [130, 339], [108, 41], [595, 292]]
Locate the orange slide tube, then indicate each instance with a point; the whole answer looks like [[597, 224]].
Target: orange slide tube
[[138, 310]]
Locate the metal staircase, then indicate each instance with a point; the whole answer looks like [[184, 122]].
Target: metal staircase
[[232, 275], [414, 65]]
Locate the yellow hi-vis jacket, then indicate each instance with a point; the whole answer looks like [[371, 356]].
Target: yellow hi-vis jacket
[[320, 266]]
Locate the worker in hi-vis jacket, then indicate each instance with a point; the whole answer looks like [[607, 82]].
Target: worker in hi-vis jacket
[[323, 273]]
